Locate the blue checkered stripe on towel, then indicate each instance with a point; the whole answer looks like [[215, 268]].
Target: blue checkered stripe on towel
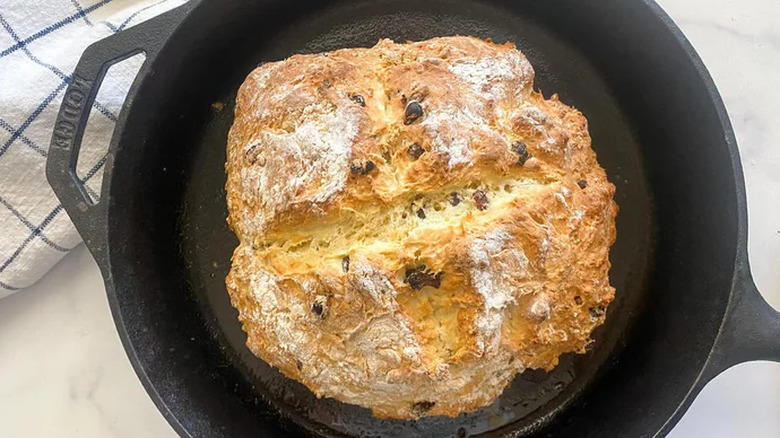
[[40, 43]]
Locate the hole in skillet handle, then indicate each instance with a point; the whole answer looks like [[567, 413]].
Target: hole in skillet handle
[[101, 122]]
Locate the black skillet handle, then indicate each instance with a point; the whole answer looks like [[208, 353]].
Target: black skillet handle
[[90, 217], [750, 331]]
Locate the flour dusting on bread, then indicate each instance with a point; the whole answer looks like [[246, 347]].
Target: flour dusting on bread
[[493, 263], [440, 125], [316, 151], [489, 74]]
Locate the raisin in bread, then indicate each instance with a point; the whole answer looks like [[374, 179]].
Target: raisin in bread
[[416, 224]]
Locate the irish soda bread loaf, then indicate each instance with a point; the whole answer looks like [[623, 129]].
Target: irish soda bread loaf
[[416, 224]]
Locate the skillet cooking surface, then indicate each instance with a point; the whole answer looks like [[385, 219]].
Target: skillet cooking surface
[[206, 243]]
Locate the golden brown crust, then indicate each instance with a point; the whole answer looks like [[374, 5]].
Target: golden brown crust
[[414, 263]]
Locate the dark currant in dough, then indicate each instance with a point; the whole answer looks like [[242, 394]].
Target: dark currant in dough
[[413, 112], [415, 152], [419, 277], [358, 99], [481, 199], [521, 150]]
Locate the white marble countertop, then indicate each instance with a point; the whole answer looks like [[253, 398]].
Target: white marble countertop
[[63, 372]]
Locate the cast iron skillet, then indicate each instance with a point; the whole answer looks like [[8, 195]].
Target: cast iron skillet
[[686, 306]]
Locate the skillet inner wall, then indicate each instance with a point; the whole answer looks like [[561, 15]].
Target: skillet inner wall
[[170, 274]]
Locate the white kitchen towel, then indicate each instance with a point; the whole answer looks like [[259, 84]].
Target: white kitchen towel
[[40, 43]]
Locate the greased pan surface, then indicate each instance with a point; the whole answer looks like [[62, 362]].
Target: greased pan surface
[[659, 130]]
